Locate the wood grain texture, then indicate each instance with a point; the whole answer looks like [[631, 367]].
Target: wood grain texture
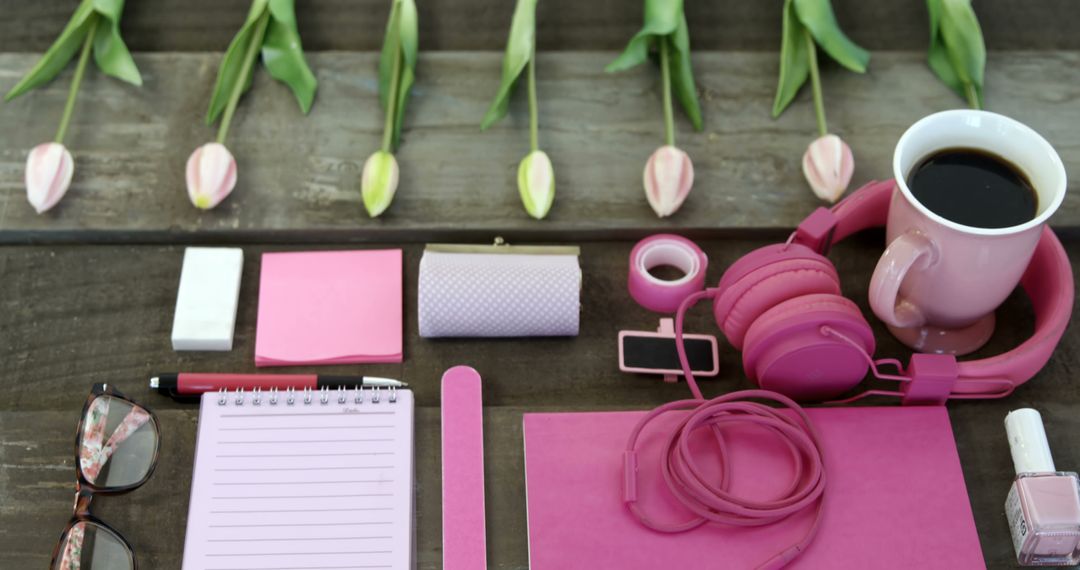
[[208, 25], [299, 176], [74, 315]]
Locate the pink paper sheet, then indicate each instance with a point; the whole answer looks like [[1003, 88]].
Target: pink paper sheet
[[895, 499], [329, 307]]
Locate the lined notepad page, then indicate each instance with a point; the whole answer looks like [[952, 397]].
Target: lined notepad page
[[315, 486]]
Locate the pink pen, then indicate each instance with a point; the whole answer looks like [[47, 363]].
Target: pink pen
[[186, 384]]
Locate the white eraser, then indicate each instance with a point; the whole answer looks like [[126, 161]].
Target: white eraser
[[206, 302]]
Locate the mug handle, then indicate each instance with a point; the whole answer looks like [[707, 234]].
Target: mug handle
[[905, 252]]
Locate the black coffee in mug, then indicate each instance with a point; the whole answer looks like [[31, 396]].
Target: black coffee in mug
[[975, 188]]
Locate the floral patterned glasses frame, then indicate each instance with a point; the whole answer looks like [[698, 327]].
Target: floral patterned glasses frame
[[107, 463]]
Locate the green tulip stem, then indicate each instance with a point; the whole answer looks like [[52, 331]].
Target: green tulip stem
[[665, 74], [972, 96], [245, 71], [534, 121], [815, 82], [392, 97], [80, 70]]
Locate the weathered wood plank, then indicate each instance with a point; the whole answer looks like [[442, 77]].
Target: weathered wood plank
[[208, 25], [74, 315], [299, 177], [37, 474]]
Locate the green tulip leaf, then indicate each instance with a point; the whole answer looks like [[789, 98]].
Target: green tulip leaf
[[665, 22], [407, 80], [957, 50], [399, 51], [794, 65], [233, 63], [410, 33], [283, 55], [520, 49], [662, 17], [59, 53], [278, 40], [391, 53], [110, 53], [818, 17], [938, 57], [682, 77]]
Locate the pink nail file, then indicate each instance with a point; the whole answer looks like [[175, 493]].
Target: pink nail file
[[464, 530]]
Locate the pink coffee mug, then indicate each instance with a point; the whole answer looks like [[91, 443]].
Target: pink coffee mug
[[938, 282]]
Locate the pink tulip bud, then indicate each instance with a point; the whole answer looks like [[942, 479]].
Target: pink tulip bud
[[48, 175], [669, 176], [211, 175], [828, 165]]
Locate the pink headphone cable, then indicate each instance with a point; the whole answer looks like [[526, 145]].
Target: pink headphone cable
[[711, 501]]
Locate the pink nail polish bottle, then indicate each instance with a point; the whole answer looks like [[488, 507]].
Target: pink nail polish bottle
[[1043, 506]]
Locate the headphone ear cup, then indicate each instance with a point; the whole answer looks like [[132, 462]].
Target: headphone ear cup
[[788, 351], [765, 278]]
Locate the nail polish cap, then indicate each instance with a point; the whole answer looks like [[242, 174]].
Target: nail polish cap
[[1027, 442]]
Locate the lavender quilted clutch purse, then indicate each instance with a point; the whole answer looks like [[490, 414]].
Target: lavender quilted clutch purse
[[499, 291]]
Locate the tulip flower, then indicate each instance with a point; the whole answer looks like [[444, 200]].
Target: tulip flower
[[536, 177], [536, 182], [828, 166], [669, 176], [379, 182], [211, 175], [48, 175], [808, 24], [93, 28], [270, 28], [397, 66]]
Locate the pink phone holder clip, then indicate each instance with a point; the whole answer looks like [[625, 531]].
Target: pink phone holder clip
[[666, 330]]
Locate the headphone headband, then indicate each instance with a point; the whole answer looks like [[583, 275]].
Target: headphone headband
[[865, 208], [1047, 281]]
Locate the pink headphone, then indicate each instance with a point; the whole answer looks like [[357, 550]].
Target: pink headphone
[[781, 305]]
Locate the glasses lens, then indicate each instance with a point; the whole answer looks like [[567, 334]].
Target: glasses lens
[[89, 546], [118, 443]]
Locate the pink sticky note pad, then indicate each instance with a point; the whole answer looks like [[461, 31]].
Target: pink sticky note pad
[[329, 307], [464, 529]]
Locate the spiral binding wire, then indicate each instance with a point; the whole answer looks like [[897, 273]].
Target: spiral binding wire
[[308, 396]]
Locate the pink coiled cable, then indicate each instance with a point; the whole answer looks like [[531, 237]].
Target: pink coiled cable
[[708, 500]]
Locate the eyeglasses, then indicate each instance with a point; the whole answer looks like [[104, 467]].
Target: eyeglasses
[[116, 450]]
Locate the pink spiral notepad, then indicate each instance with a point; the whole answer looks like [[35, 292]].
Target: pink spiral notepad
[[322, 482]]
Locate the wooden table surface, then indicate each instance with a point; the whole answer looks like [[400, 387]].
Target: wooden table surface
[[87, 290], [357, 25], [299, 177], [74, 315]]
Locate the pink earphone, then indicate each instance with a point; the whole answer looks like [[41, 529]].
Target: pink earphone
[[781, 306]]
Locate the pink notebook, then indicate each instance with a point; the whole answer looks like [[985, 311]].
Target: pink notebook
[[322, 482], [895, 499], [329, 307]]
